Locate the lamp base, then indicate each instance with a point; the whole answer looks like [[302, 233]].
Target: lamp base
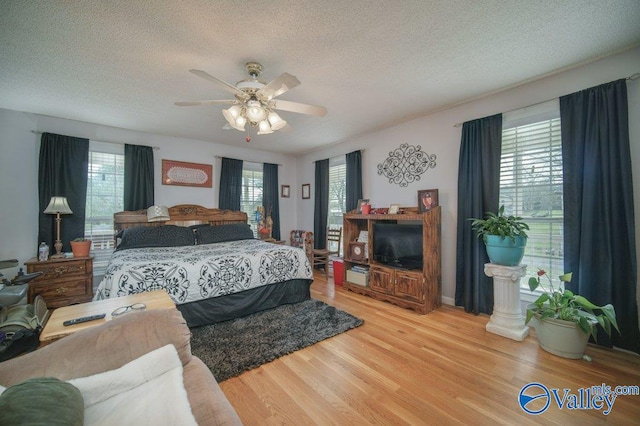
[[58, 247]]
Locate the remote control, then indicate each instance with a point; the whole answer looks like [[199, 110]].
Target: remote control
[[83, 319]]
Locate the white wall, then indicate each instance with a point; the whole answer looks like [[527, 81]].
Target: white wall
[[436, 134], [19, 173]]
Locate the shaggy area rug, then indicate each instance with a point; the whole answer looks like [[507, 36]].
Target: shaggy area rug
[[232, 347]]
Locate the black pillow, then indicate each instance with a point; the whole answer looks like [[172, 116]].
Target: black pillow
[[222, 233], [156, 236]]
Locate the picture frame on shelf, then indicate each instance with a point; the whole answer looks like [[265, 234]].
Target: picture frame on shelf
[[361, 202], [357, 250], [394, 209], [306, 191], [285, 191], [427, 199]]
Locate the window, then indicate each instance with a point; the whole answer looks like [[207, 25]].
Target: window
[[531, 184], [337, 192], [105, 196], [251, 192]]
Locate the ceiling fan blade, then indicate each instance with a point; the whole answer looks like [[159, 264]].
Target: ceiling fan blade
[[210, 102], [279, 85], [231, 88], [319, 111]]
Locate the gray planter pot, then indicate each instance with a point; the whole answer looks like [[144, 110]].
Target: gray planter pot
[[561, 338]]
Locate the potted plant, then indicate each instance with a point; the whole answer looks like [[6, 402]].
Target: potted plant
[[564, 321], [504, 236], [80, 247]]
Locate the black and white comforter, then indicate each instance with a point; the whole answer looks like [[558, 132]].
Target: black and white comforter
[[191, 273]]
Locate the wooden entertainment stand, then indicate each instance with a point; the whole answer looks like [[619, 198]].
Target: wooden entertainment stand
[[419, 290]]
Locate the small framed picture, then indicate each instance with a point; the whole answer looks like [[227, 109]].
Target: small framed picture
[[306, 191], [427, 199], [285, 191], [361, 203], [394, 209]]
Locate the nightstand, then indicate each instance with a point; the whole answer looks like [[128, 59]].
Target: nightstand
[[64, 281]]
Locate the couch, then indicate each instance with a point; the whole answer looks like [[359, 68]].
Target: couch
[[116, 343]]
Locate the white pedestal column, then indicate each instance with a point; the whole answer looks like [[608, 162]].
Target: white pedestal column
[[507, 319]]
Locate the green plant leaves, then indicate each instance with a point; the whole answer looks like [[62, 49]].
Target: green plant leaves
[[499, 224]]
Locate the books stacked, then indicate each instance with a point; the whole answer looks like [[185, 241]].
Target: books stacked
[[360, 269]]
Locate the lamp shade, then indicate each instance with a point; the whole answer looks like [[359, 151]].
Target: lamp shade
[[157, 214], [231, 114], [255, 112], [58, 205], [276, 121], [264, 128]]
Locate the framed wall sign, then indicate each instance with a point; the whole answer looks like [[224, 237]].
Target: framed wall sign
[[285, 191], [186, 174], [306, 191]]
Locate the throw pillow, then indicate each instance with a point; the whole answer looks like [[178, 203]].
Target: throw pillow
[[41, 401]]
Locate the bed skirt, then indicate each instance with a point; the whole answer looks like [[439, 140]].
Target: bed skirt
[[224, 308]]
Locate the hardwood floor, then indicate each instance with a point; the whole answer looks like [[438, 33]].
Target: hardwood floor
[[441, 368]]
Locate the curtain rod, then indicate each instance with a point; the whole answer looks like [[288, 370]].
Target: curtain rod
[[248, 161], [361, 150], [156, 148], [632, 77]]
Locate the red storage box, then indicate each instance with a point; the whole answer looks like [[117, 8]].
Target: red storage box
[[338, 271]]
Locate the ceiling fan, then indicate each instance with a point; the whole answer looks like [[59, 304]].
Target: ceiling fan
[[255, 101]]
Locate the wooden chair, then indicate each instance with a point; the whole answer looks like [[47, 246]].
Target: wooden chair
[[321, 257], [304, 240]]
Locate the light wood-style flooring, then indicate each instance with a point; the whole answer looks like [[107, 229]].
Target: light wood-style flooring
[[400, 368]]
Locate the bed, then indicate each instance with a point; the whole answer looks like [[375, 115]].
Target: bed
[[208, 262]]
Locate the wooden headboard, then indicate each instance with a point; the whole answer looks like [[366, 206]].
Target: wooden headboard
[[181, 215]]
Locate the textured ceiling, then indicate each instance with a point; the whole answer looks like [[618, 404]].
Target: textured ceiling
[[372, 63]]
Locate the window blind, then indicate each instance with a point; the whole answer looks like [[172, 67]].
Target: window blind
[[251, 192], [105, 196], [531, 187]]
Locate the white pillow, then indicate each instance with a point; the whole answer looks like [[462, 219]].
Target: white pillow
[[147, 390]]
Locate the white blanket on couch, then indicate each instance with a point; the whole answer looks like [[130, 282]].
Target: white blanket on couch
[[147, 390]]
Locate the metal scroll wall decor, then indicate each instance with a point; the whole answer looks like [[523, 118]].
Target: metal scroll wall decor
[[405, 164]]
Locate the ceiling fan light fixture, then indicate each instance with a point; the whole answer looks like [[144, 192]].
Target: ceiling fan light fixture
[[264, 128], [255, 112], [232, 113], [239, 123], [276, 121]]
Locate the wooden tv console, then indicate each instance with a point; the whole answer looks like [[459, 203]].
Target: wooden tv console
[[419, 290]]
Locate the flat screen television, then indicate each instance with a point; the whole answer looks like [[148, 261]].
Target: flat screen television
[[398, 245]]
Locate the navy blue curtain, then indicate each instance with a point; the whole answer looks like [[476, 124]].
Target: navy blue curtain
[[321, 206], [354, 180], [230, 184], [599, 227], [62, 171], [138, 177], [271, 197], [478, 192]]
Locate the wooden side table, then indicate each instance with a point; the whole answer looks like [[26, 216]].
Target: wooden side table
[[64, 281], [54, 328]]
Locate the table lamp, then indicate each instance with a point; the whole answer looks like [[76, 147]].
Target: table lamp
[[58, 206]]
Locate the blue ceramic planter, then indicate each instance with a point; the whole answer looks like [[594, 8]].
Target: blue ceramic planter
[[504, 251]]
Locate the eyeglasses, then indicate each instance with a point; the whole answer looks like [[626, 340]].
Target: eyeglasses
[[124, 309]]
